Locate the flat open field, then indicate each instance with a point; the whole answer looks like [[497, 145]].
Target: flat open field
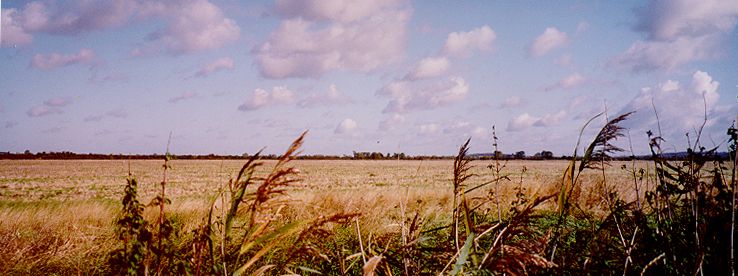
[[62, 180], [58, 215]]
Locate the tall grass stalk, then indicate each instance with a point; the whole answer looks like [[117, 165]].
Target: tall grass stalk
[[733, 133]]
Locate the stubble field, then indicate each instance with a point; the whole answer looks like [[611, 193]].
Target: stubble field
[[59, 215]]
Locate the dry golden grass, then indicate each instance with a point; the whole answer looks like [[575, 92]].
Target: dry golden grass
[[58, 215]]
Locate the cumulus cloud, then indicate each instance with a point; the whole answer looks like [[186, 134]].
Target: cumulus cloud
[[330, 97], [429, 67], [423, 88], [346, 126], [11, 30], [464, 43], [56, 60], [261, 98], [407, 96], [220, 64], [184, 96], [334, 10], [525, 121], [391, 122], [664, 20], [317, 37], [568, 82], [521, 122], [550, 39], [73, 17], [189, 25], [678, 32], [681, 107]]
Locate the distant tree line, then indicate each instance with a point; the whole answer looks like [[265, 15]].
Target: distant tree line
[[364, 155]]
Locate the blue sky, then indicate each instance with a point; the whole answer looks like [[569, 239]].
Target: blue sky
[[229, 77]]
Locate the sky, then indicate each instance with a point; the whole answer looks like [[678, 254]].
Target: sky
[[420, 77]]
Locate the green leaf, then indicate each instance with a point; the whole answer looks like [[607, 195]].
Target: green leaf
[[463, 255]]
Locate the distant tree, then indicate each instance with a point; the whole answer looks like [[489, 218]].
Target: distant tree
[[520, 155], [499, 155], [543, 155], [376, 155]]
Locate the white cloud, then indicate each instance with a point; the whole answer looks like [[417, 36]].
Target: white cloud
[[428, 129], [320, 37], [678, 32], [220, 64], [568, 82], [681, 108], [525, 121], [184, 96], [407, 97], [281, 94], [391, 122], [12, 32], [644, 56], [464, 43], [480, 132], [261, 98], [550, 119], [334, 10], [330, 97], [551, 39], [670, 85], [465, 129], [71, 18], [458, 126], [667, 20], [55, 60], [429, 67], [346, 126], [189, 25], [413, 92], [521, 122]]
